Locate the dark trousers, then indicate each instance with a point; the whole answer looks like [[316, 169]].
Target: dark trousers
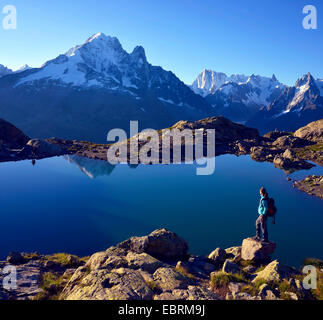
[[261, 226]]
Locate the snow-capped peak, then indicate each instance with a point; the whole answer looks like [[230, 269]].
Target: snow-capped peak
[[209, 81], [99, 61], [95, 36], [249, 90], [23, 68], [304, 87]]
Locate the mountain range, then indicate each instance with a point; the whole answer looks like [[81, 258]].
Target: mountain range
[[237, 97], [97, 86], [295, 107]]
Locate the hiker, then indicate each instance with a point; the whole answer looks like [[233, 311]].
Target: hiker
[[266, 208]]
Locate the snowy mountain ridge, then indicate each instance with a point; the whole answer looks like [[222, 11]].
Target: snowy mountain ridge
[[249, 90]]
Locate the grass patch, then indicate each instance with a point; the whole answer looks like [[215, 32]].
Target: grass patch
[[31, 256], [185, 273], [66, 260], [52, 285], [220, 279]]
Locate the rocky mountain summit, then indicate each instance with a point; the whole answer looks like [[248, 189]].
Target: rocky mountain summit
[[294, 107], [94, 87], [262, 102], [159, 267], [237, 97]]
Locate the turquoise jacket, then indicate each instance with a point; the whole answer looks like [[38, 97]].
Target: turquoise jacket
[[263, 206]]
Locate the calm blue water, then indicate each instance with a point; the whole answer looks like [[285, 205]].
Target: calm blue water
[[81, 206]]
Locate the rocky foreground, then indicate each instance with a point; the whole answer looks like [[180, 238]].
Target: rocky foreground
[[158, 267]]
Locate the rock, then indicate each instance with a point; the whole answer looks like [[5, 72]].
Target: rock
[[286, 163], [119, 284], [266, 293], [44, 148], [195, 293], [233, 253], [160, 243], [217, 256], [73, 261], [274, 271], [200, 266], [27, 285], [15, 258], [312, 185], [143, 261], [69, 272], [259, 153], [249, 269], [230, 267], [269, 295], [241, 296], [256, 250], [274, 135], [290, 142], [199, 293], [289, 154], [111, 258], [169, 279], [235, 287], [174, 295], [313, 131], [225, 130]]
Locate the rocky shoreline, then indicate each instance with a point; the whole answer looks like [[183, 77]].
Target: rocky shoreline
[[159, 267], [287, 151], [312, 185]]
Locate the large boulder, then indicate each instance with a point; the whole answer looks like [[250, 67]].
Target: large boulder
[[117, 284], [143, 261], [169, 279], [44, 148], [256, 250], [160, 243], [233, 253], [275, 271], [112, 258], [313, 131]]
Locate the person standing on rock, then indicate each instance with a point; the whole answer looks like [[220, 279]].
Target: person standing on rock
[[261, 223]]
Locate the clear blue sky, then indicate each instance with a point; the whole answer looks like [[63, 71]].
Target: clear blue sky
[[184, 36]]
